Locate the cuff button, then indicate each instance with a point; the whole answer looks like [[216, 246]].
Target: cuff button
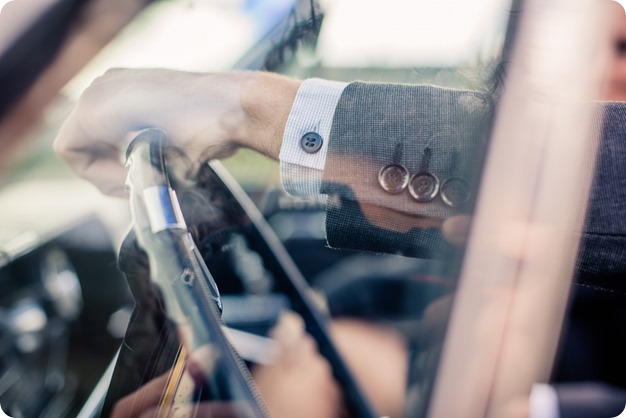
[[455, 192], [423, 187], [393, 178], [311, 142]]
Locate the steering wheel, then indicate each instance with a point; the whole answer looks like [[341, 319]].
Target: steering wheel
[[182, 306]]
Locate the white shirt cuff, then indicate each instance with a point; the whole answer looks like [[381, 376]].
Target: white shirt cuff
[[544, 402], [312, 111]]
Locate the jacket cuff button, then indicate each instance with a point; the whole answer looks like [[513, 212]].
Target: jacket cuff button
[[423, 187], [455, 192], [393, 178]]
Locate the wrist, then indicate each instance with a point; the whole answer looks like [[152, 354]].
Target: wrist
[[266, 100]]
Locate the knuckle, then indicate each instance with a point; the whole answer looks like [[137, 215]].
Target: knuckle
[[309, 343], [91, 96], [108, 188], [59, 146], [101, 87]]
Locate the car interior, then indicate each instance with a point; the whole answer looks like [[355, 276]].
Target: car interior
[[89, 312]]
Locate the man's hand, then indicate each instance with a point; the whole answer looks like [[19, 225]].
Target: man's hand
[[300, 382], [205, 115]]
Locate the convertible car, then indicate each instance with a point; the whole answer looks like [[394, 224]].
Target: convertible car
[[168, 303]]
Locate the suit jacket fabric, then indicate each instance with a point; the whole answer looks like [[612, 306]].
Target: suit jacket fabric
[[602, 256], [423, 128], [379, 124]]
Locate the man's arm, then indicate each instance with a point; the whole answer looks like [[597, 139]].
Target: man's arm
[[373, 126], [432, 138], [212, 115], [205, 115]]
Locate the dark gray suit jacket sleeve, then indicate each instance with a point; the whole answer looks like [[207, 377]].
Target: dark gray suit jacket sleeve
[[423, 128], [380, 124], [602, 258]]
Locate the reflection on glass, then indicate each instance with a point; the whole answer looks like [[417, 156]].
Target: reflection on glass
[[17, 17], [402, 178], [388, 314]]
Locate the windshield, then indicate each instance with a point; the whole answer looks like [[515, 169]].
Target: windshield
[[399, 218]]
